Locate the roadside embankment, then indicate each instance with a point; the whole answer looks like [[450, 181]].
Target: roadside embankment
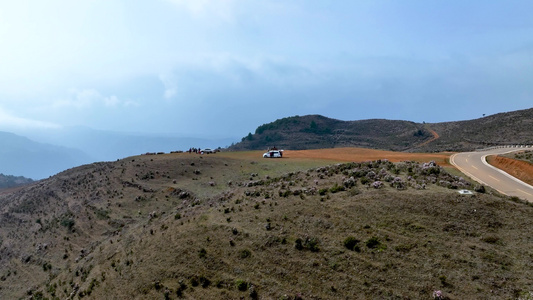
[[517, 168]]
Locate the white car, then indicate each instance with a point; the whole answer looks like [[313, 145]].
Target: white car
[[273, 153], [207, 151]]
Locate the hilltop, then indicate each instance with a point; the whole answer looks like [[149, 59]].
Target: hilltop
[[233, 225], [315, 132]]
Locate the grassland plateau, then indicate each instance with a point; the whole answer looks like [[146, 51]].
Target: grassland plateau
[[233, 225]]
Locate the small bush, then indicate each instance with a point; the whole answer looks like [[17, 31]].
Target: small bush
[[310, 244], [491, 239], [204, 281], [336, 188], [377, 184], [298, 244], [253, 292], [285, 194], [245, 253], [194, 281], [349, 182], [374, 242], [241, 285], [202, 253], [182, 287], [67, 222], [350, 243]]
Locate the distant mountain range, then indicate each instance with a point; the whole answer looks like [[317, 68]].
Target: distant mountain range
[[9, 181], [39, 154], [108, 145], [315, 131], [21, 156]]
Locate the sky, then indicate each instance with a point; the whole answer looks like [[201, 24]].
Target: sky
[[220, 68]]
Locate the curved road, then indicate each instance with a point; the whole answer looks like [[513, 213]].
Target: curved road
[[474, 165]]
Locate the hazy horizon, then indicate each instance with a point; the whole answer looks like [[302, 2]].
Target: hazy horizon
[[219, 69]]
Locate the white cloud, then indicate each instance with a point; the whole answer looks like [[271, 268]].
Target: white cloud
[[88, 98], [10, 121], [171, 86], [220, 9]]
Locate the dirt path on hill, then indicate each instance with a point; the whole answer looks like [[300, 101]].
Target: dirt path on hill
[[517, 168], [435, 137]]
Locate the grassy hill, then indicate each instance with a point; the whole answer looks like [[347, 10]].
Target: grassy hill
[[315, 132], [227, 226]]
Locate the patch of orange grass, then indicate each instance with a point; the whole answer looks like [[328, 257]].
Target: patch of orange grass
[[362, 154]]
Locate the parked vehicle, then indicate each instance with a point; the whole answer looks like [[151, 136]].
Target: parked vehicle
[[273, 154], [207, 151]]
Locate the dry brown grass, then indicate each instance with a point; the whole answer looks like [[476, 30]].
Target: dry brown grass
[[350, 154], [362, 154], [432, 239]]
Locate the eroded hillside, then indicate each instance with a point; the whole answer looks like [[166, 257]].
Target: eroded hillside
[[219, 227]]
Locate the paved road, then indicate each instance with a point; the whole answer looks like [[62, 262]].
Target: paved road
[[475, 166]]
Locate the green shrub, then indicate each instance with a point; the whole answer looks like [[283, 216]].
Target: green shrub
[[337, 188], [68, 222], [285, 194], [204, 281], [373, 243], [194, 281], [245, 253], [310, 244], [241, 285], [298, 244], [202, 253], [182, 287], [351, 242]]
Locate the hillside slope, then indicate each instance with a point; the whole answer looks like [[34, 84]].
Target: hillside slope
[[315, 132], [507, 128], [223, 227]]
